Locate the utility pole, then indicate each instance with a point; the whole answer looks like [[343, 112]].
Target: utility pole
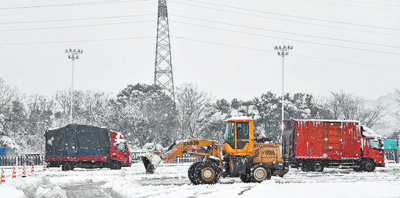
[[72, 54], [283, 51], [163, 75]]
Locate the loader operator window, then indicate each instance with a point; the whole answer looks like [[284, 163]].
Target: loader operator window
[[242, 132], [230, 134]]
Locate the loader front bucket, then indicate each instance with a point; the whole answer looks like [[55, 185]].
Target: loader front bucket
[[151, 162]]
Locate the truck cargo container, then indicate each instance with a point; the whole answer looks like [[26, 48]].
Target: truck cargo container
[[315, 144], [85, 146]]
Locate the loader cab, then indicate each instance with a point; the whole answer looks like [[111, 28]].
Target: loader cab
[[238, 136]]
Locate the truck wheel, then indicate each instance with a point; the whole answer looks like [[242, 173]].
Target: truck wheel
[[259, 173], [369, 166], [115, 165], [357, 169], [206, 173], [318, 166], [305, 167], [67, 166], [191, 173]]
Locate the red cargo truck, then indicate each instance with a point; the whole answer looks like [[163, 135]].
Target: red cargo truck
[[315, 144], [87, 147]]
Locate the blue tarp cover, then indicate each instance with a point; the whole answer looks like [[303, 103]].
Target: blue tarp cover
[[78, 140]]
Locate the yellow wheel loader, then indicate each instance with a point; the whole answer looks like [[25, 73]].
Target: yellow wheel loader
[[244, 155]]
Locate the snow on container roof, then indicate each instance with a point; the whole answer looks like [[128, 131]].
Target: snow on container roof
[[238, 118], [317, 120], [367, 132]]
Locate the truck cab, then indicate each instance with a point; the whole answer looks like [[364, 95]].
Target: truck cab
[[373, 150], [119, 151]]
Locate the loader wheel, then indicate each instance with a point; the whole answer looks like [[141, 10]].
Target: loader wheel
[[259, 173], [206, 173], [191, 176], [115, 165], [369, 166], [317, 166], [245, 178]]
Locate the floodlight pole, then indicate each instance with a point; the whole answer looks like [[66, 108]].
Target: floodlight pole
[[72, 54], [283, 51]]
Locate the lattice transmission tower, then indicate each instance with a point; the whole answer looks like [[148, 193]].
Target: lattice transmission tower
[[163, 75]]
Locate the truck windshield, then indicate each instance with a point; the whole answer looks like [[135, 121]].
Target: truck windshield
[[374, 144], [120, 147], [230, 134]]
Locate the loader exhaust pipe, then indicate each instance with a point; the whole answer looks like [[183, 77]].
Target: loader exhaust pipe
[[151, 162]]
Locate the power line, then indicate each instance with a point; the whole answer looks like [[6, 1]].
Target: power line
[[77, 26], [272, 52], [364, 2], [190, 39], [296, 40], [285, 15], [305, 35], [79, 41], [294, 16], [78, 19], [341, 4], [69, 4], [287, 20]]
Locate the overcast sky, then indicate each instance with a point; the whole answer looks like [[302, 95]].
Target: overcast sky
[[226, 47]]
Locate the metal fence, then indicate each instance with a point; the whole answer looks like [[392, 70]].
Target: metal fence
[[185, 158], [20, 160], [391, 156]]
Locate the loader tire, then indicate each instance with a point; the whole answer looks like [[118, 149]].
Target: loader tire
[[191, 176], [259, 173], [245, 178], [206, 173]]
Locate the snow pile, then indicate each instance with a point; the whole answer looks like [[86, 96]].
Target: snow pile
[[10, 191], [50, 191], [124, 185]]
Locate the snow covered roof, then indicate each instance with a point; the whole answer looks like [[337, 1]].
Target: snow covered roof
[[367, 132], [318, 120], [238, 118]]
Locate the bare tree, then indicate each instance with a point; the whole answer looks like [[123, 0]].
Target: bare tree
[[191, 106], [347, 106], [7, 95]]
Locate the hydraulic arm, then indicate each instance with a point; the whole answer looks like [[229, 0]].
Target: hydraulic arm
[[152, 160]]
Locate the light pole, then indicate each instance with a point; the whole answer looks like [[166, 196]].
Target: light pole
[[72, 54], [283, 51]]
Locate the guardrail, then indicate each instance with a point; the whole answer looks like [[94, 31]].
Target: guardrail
[[185, 158], [20, 160], [391, 156]]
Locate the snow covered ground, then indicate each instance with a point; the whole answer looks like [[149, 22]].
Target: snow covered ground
[[171, 181]]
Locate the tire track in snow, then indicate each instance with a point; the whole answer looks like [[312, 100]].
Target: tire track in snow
[[89, 190]]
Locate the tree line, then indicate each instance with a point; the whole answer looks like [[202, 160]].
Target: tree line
[[149, 118]]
